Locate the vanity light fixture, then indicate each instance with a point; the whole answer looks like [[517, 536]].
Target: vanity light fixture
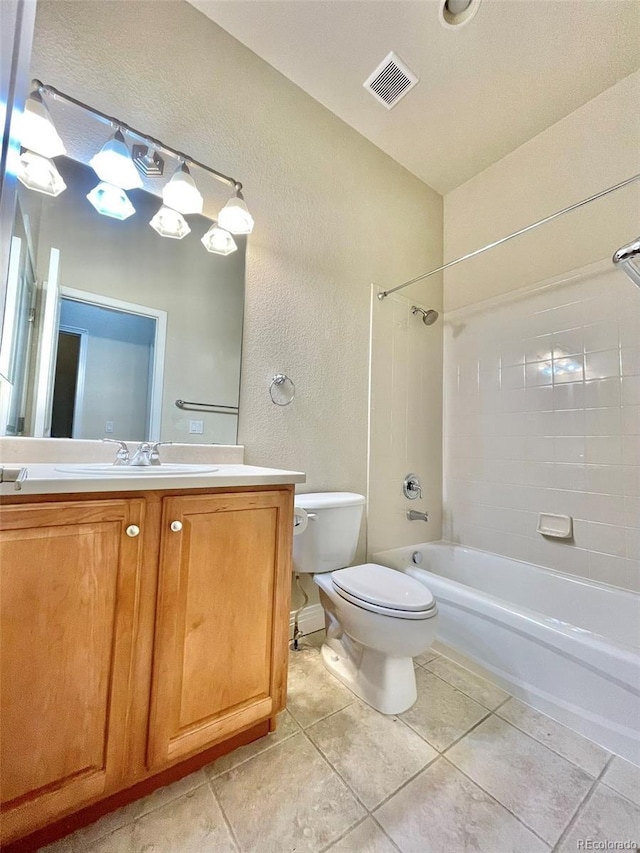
[[219, 241], [169, 223], [38, 132], [112, 201], [181, 193], [113, 164], [39, 173], [235, 216]]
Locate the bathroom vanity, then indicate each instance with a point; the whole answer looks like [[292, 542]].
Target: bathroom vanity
[[145, 631]]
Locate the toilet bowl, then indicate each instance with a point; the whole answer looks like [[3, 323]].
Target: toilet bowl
[[377, 619]]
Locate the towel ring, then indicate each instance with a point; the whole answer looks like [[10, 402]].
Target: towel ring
[[282, 390]]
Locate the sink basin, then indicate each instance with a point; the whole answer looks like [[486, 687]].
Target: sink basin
[[107, 469]]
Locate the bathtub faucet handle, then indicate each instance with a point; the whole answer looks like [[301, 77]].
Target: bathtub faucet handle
[[412, 487]]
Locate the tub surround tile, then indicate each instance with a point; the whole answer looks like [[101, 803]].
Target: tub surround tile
[[287, 727], [441, 713], [624, 778], [365, 838], [313, 693], [287, 799], [374, 754], [540, 787], [468, 682], [605, 817], [441, 810], [567, 743], [193, 823]]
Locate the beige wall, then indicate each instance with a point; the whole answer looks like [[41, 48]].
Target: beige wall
[[333, 213], [594, 147]]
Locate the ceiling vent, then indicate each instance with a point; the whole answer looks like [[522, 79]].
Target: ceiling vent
[[391, 81]]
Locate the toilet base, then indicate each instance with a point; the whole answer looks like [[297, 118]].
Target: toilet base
[[387, 684]]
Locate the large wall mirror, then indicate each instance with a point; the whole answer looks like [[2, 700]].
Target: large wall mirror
[[107, 323]]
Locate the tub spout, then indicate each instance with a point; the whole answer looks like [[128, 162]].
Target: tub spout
[[414, 515]]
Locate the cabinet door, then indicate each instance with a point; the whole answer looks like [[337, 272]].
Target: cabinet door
[[69, 582], [220, 655]]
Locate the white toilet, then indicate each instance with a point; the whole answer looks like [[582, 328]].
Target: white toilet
[[378, 619]]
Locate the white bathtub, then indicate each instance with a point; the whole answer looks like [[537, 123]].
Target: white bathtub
[[569, 647]]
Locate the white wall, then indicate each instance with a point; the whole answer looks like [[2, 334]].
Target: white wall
[[406, 419], [594, 147], [519, 438], [333, 213], [115, 373]]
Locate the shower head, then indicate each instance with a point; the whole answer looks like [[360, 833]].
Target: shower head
[[628, 259], [428, 317]]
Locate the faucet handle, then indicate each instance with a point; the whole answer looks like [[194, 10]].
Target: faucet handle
[[412, 487], [122, 456], [154, 455]]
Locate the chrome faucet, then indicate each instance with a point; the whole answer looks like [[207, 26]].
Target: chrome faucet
[[147, 453], [142, 456], [415, 515], [154, 456], [122, 456]]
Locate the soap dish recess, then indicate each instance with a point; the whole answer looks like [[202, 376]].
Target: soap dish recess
[[556, 526]]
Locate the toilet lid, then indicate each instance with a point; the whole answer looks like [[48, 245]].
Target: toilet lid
[[383, 587]]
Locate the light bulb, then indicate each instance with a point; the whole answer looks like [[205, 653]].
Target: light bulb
[[218, 241], [169, 223], [113, 164], [39, 173], [37, 131], [112, 201], [181, 193], [235, 216]]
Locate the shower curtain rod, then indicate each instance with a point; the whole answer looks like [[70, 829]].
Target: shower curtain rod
[[502, 240]]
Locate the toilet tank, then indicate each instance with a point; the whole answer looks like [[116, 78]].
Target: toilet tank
[[331, 537]]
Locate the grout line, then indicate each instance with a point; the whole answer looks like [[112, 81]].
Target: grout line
[[577, 734], [138, 817], [468, 695], [581, 806], [468, 732], [326, 717], [496, 800], [406, 782], [267, 748], [344, 834], [384, 831], [224, 816]]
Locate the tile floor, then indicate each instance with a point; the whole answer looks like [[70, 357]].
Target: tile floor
[[466, 769]]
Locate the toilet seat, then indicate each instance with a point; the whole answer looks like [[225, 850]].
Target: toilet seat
[[383, 590]]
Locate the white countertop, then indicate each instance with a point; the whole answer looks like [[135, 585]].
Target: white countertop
[[43, 479]]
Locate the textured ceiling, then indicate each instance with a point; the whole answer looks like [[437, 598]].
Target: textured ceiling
[[485, 89]]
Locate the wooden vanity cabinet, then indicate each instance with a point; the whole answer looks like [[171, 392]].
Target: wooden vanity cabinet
[[124, 654], [69, 577]]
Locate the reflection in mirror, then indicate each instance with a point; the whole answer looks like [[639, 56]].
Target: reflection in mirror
[[108, 322]]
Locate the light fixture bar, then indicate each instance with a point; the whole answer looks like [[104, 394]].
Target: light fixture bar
[[56, 94]]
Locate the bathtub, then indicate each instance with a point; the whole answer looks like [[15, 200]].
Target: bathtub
[[568, 646]]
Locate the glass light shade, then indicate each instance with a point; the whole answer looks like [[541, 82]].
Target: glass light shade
[[218, 241], [169, 223], [39, 173], [112, 201], [37, 131], [181, 193], [113, 164], [235, 216]]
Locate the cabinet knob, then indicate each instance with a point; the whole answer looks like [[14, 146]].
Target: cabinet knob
[[176, 526], [133, 530]]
